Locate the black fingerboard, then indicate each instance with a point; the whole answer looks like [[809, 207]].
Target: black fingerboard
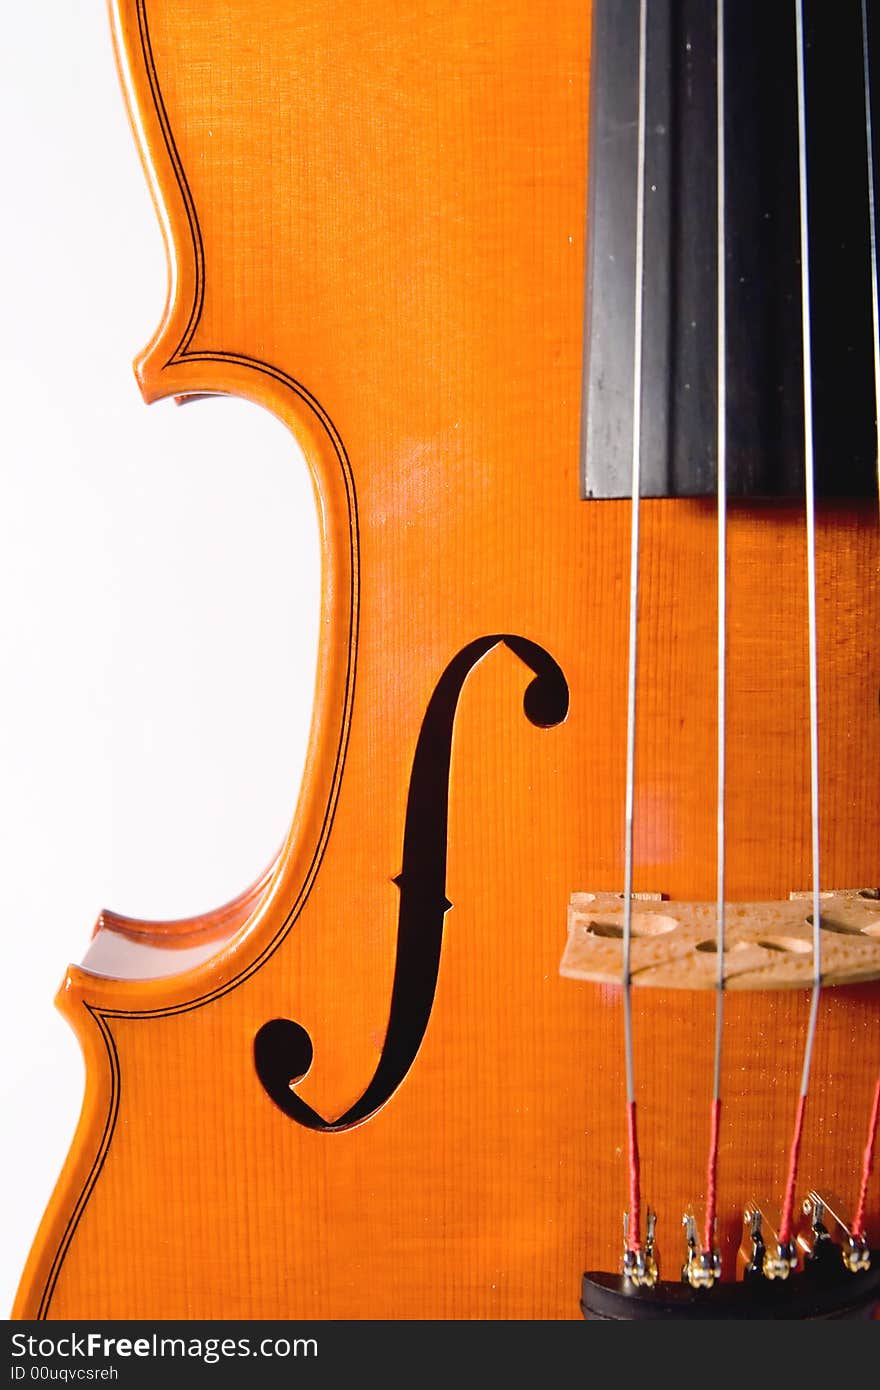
[[764, 341]]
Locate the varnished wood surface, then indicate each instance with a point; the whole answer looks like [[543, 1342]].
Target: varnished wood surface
[[375, 219]]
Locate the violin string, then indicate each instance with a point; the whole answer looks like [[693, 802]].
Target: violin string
[[809, 488], [721, 422], [872, 228], [858, 1227], [633, 1234]]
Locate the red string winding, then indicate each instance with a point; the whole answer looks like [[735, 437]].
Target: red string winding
[[634, 1237], [858, 1229], [712, 1177], [788, 1201]]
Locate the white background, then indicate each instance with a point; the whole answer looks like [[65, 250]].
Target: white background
[[159, 584]]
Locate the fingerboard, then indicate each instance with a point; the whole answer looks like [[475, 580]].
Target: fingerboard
[[764, 422]]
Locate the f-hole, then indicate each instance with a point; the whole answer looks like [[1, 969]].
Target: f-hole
[[283, 1050]]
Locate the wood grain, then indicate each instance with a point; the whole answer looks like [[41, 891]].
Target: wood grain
[[375, 224]]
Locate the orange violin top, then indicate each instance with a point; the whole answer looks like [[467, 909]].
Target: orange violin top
[[365, 1089]]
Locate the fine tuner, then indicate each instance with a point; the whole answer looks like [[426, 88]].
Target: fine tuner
[[825, 1272]]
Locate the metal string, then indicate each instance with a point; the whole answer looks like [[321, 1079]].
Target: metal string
[[722, 537], [858, 1228], [810, 492], [872, 224], [721, 349], [634, 1236], [809, 486]]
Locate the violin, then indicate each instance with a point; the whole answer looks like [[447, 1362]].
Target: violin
[[560, 999]]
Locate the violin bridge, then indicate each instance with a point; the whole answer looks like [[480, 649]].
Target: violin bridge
[[767, 945]]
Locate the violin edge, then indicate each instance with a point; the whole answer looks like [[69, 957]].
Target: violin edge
[[84, 1159], [168, 190], [166, 368]]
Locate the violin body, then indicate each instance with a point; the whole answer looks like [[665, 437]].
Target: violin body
[[374, 1095]]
